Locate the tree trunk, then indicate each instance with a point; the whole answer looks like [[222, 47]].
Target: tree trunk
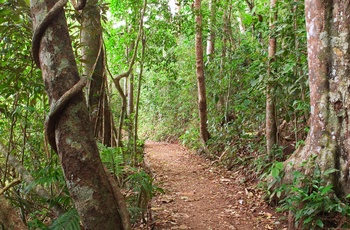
[[86, 179], [211, 35], [202, 101], [93, 68], [8, 216], [328, 59], [271, 126], [130, 96]]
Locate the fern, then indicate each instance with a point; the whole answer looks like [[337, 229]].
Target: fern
[[112, 159], [68, 221]]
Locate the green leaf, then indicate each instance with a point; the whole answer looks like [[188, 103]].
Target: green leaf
[[326, 189], [329, 171], [308, 220], [319, 223], [279, 165], [69, 221], [275, 172]]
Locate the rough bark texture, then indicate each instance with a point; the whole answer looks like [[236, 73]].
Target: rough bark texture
[[9, 219], [202, 101], [328, 39], [93, 56], [86, 179], [271, 126]]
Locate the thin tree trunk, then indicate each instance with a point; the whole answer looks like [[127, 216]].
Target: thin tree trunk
[[138, 93], [202, 100], [116, 80], [271, 126], [86, 179], [130, 98], [212, 34]]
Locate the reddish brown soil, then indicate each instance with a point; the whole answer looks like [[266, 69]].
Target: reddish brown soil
[[203, 197]]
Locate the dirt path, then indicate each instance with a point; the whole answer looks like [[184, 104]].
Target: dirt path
[[201, 197]]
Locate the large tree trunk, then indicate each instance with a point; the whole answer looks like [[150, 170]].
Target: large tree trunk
[[86, 179], [271, 126], [328, 39], [202, 100]]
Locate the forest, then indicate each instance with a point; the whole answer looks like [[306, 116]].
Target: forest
[[253, 86]]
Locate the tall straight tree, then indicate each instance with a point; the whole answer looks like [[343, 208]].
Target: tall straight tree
[[271, 126], [68, 126], [202, 98], [328, 39], [212, 34]]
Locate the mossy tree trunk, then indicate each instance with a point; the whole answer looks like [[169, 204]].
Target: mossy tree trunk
[[328, 141], [85, 176]]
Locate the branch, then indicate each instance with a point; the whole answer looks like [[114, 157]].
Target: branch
[[126, 74], [10, 185]]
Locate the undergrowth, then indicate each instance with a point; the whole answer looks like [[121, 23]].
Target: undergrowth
[[309, 199], [138, 188]]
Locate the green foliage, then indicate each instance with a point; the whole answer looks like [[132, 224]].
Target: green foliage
[[309, 198], [69, 221], [236, 78], [36, 224], [143, 189], [191, 138], [112, 158]]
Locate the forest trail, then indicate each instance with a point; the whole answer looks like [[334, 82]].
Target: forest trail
[[203, 197]]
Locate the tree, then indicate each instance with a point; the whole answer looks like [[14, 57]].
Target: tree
[[68, 128], [202, 99], [211, 35], [328, 61], [93, 58], [271, 126], [126, 74]]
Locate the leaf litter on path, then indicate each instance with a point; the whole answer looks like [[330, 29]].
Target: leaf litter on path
[[200, 196]]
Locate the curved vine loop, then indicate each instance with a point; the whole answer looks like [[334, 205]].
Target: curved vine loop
[[56, 108]]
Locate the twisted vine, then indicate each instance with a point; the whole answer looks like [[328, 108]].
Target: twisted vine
[[57, 107]]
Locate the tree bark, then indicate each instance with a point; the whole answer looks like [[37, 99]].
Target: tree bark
[[271, 126], [86, 179], [93, 68], [212, 34], [9, 218], [329, 67], [202, 100]]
